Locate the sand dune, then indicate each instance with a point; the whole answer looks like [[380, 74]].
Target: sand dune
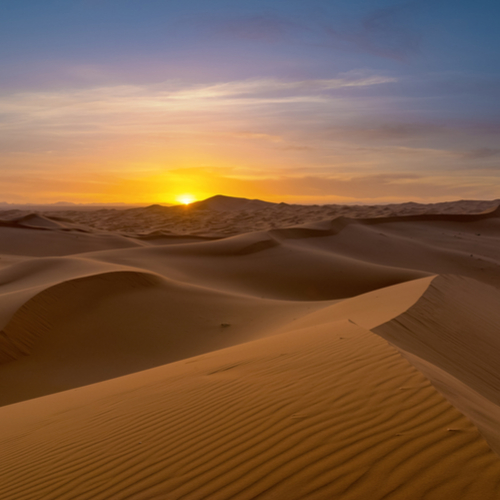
[[331, 414], [256, 264], [240, 350], [35, 221], [122, 322]]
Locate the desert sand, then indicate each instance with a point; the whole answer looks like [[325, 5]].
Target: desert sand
[[239, 349]]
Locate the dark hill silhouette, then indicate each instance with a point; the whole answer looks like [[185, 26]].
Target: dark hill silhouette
[[221, 203]]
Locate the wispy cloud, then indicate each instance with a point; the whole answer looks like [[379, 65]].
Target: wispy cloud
[[117, 106], [172, 92]]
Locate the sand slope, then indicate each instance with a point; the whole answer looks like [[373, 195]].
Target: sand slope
[[334, 414], [90, 329], [454, 329], [176, 362], [259, 265]]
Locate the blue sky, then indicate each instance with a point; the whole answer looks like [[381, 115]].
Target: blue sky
[[303, 101]]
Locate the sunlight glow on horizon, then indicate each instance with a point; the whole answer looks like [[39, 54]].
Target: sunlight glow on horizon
[[186, 199]]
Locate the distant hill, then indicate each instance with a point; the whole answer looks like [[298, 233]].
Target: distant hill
[[221, 203]]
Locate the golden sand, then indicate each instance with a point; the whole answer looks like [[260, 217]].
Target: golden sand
[[229, 353]]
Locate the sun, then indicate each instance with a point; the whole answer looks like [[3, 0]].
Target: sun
[[185, 199]]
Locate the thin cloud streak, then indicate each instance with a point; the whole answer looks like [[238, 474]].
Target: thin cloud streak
[[167, 95], [261, 108]]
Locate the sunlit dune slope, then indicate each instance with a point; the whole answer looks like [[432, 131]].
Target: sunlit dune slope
[[332, 413]]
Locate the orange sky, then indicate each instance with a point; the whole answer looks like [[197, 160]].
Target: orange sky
[[301, 102], [148, 145]]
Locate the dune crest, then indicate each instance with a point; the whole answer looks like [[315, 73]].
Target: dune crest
[[454, 329]]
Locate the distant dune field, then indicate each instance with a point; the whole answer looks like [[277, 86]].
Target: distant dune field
[[239, 349]]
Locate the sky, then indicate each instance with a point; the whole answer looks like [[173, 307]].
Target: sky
[[300, 101]]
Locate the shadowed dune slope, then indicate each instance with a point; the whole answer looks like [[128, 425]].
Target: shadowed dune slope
[[24, 279], [449, 247], [334, 414], [454, 329], [89, 329]]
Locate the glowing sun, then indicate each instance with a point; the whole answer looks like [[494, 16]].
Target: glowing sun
[[185, 199]]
